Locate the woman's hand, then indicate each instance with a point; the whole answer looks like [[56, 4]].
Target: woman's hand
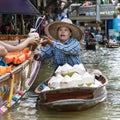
[[46, 41], [32, 40], [37, 56]]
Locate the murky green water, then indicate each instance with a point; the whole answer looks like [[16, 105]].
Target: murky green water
[[105, 59]]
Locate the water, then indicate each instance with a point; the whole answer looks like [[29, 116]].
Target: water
[[105, 59]]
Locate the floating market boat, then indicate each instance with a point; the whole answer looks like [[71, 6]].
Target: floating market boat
[[90, 46], [71, 98], [112, 45], [16, 81]]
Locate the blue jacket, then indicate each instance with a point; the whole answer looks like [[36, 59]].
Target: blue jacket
[[62, 53]]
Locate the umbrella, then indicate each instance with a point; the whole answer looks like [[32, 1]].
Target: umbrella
[[17, 7]]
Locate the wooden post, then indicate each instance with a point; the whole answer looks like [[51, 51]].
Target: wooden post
[[98, 2]]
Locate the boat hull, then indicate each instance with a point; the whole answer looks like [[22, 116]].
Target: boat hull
[[16, 83], [72, 99], [71, 104], [112, 45]]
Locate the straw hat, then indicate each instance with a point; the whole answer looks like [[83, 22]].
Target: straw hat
[[92, 35], [52, 28]]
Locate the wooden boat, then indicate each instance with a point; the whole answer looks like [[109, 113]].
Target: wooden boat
[[9, 37], [14, 84], [112, 45], [71, 99], [90, 45]]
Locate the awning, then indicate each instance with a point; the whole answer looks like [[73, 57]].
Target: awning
[[17, 7]]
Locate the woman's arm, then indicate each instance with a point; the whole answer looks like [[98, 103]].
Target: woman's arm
[[21, 46], [3, 51]]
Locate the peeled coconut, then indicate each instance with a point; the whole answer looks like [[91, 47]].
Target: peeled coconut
[[76, 79], [66, 69], [35, 34], [58, 70], [88, 78], [78, 68], [66, 82], [54, 82]]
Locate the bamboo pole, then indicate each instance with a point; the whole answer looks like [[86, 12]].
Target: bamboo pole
[[11, 91]]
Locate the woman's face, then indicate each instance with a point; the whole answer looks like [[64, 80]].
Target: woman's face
[[64, 34]]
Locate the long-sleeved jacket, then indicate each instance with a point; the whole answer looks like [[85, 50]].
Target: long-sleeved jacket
[[69, 52]]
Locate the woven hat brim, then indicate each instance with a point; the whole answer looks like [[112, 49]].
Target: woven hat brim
[[51, 30], [92, 35]]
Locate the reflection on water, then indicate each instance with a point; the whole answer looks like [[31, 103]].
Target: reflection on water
[[105, 59]]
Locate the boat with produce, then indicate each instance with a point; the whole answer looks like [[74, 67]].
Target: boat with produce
[[72, 89], [112, 45], [17, 78]]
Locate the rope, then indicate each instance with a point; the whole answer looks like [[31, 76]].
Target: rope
[[11, 90]]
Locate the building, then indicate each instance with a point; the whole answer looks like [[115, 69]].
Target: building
[[102, 19]]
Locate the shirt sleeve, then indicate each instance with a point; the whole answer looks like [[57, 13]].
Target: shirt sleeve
[[46, 52], [70, 48]]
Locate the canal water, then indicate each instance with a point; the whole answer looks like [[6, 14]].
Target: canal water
[[105, 59]]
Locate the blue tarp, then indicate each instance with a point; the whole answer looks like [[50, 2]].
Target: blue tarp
[[116, 24], [17, 7]]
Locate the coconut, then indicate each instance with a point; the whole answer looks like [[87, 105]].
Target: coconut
[[66, 70], [66, 82], [58, 70], [76, 79], [78, 68], [63, 70], [54, 82], [35, 34], [88, 78]]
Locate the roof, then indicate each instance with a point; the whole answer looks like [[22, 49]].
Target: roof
[[17, 7]]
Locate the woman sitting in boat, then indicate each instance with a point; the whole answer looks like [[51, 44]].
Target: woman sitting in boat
[[5, 47], [62, 43], [112, 40], [90, 41]]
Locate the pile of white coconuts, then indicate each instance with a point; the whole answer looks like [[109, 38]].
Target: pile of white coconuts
[[68, 76]]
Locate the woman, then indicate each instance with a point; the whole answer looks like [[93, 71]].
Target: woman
[[90, 41], [62, 43]]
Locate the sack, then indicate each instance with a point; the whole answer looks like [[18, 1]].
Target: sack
[[5, 69], [17, 57]]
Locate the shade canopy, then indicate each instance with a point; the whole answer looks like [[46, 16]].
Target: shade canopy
[[17, 7]]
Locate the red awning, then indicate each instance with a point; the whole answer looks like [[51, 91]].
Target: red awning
[[17, 7]]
